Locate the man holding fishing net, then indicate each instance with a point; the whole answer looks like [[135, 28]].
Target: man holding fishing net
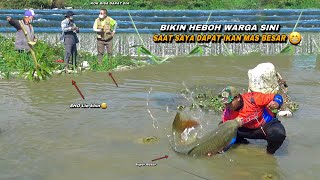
[[21, 43], [254, 112]]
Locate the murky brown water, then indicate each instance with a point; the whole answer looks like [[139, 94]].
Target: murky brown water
[[42, 138]]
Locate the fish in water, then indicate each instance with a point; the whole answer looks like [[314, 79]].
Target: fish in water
[[210, 144]]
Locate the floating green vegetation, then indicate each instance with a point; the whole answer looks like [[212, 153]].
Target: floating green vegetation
[[148, 140], [203, 98], [208, 99], [293, 106]]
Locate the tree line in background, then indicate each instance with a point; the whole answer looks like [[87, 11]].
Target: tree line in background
[[163, 4]]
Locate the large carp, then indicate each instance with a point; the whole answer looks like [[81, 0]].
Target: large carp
[[211, 143]]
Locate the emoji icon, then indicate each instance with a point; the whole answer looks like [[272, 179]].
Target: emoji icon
[[103, 105], [295, 38]]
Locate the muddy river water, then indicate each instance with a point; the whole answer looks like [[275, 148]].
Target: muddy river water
[[43, 138]]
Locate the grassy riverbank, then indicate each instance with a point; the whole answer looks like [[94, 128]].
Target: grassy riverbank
[[164, 4], [17, 64]]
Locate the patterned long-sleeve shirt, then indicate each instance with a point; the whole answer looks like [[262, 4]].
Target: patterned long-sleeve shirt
[[67, 25]]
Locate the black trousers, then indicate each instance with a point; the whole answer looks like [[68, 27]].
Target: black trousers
[[70, 45], [71, 54], [275, 134]]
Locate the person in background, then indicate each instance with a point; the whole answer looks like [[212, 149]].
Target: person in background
[[70, 39], [105, 27], [254, 112], [21, 43]]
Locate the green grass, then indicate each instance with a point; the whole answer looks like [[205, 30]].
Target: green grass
[[165, 4], [109, 64], [12, 61]]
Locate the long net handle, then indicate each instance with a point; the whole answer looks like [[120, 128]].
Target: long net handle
[[31, 48]]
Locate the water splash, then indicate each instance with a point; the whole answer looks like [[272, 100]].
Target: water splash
[[188, 133], [190, 98], [155, 122], [195, 110]]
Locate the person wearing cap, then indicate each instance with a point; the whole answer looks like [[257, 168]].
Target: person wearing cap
[[70, 39], [254, 111], [105, 27], [21, 43]]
